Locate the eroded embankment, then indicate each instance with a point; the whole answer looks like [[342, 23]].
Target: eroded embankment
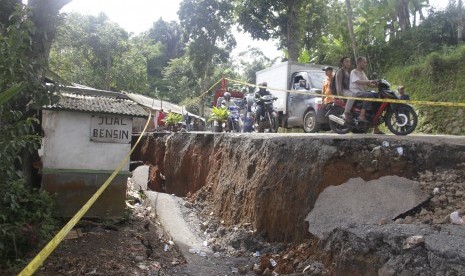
[[273, 181]]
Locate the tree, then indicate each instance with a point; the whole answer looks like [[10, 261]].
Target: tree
[[169, 40], [94, 51], [26, 213], [351, 28], [170, 35], [207, 25], [45, 18], [294, 23], [251, 61]]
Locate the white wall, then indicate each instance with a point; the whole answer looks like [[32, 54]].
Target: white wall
[[67, 144]]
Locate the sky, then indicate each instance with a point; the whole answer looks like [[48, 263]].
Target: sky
[[137, 16]]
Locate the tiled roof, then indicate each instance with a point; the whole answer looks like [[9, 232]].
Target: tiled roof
[[155, 104], [98, 104]]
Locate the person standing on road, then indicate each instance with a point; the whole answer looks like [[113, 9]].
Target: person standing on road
[[358, 85], [161, 119], [327, 85]]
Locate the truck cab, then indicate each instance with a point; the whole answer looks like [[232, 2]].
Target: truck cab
[[298, 107], [304, 108]]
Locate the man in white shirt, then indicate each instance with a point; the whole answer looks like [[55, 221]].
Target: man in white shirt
[[358, 85]]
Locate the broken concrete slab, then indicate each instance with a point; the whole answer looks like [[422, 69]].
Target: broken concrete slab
[[169, 213], [140, 177], [361, 202]]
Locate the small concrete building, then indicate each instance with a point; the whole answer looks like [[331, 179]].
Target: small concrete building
[[87, 133]]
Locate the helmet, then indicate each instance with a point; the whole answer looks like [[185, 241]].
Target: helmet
[[384, 84], [227, 95]]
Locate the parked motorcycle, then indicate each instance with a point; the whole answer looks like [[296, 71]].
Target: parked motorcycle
[[268, 122], [234, 120], [400, 119]]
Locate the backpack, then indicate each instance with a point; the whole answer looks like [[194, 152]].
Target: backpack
[[332, 85]]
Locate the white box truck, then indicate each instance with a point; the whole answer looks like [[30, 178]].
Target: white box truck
[[301, 109]]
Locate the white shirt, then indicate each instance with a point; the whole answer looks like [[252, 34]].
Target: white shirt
[[356, 75]]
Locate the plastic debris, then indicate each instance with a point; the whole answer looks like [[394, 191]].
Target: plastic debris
[[256, 254], [273, 262], [166, 247], [385, 144], [205, 243], [234, 270], [400, 150], [435, 191], [455, 218]]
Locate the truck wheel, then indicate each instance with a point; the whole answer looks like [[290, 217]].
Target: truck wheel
[[310, 123]]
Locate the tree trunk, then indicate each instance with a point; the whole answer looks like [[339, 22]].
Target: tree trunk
[[292, 30], [351, 27], [45, 18], [459, 22], [403, 14]]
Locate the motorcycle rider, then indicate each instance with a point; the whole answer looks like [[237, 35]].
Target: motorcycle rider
[[260, 111], [227, 102], [358, 84], [342, 84]]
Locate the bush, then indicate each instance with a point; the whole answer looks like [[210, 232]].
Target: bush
[[25, 213]]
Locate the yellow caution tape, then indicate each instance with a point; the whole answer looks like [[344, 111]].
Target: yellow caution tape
[[206, 92], [429, 103], [50, 247]]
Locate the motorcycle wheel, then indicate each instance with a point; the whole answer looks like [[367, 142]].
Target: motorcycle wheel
[[310, 123], [402, 120], [339, 129]]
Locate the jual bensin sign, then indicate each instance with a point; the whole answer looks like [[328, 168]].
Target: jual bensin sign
[[111, 129]]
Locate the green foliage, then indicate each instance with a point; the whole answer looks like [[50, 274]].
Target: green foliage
[[173, 119], [180, 76], [25, 214], [294, 23], [170, 35], [438, 77], [95, 52], [167, 38], [219, 114], [251, 61], [207, 24]]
